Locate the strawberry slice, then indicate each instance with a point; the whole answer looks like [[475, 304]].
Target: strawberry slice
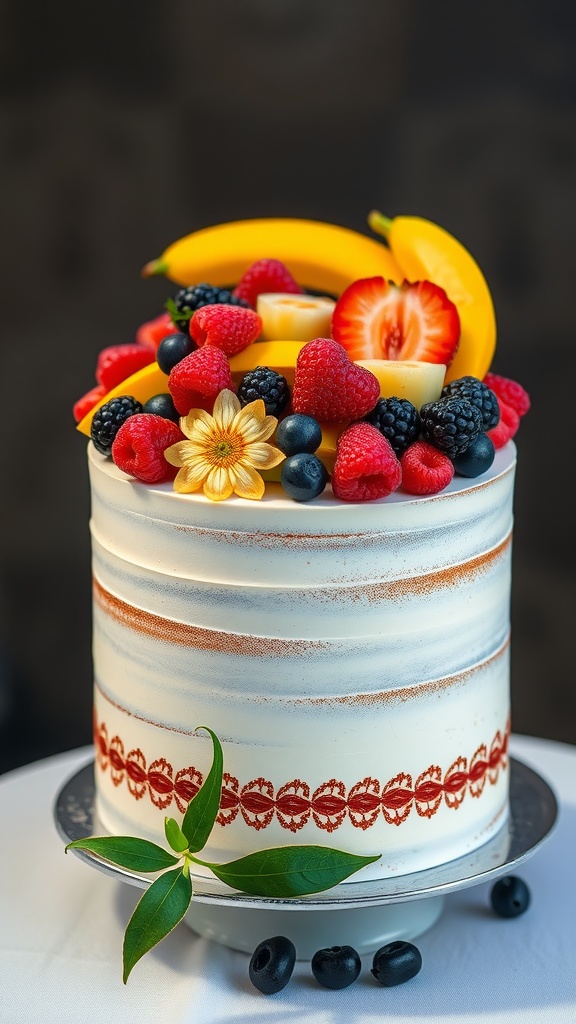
[[377, 319]]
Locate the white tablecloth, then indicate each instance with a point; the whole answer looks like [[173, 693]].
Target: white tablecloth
[[62, 924]]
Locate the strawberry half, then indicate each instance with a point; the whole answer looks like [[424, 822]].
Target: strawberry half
[[377, 319]]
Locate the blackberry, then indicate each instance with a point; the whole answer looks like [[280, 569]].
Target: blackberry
[[398, 420], [108, 419], [450, 424], [188, 300], [478, 394], [264, 383]]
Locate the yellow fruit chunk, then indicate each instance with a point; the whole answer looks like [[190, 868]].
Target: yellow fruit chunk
[[327, 450], [301, 317], [322, 257], [278, 355], [142, 385], [417, 381], [426, 251]]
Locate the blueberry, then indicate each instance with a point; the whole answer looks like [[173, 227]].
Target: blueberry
[[303, 476], [271, 964], [396, 963], [477, 458], [336, 967], [172, 350], [298, 433], [162, 405], [510, 896]]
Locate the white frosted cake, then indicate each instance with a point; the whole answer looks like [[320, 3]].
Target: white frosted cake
[[345, 634]]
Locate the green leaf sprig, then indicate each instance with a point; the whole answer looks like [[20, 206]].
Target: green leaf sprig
[[283, 872]]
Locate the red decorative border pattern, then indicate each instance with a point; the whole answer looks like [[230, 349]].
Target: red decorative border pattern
[[293, 804]]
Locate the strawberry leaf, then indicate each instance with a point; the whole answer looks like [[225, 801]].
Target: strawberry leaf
[[176, 838], [202, 811], [156, 914], [128, 852], [290, 870]]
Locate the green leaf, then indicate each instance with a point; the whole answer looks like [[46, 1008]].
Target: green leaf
[[290, 870], [156, 914], [175, 836], [203, 810], [135, 854]]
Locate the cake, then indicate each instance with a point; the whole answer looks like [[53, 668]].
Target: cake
[[348, 645]]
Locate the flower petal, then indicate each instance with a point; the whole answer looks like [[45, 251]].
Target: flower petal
[[246, 481], [218, 485], [262, 455], [196, 420], [187, 481], [226, 407], [175, 453], [252, 422]]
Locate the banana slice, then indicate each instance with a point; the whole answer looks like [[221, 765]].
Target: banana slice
[[299, 317]]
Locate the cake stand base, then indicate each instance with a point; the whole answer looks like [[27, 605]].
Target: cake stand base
[[364, 928], [366, 914]]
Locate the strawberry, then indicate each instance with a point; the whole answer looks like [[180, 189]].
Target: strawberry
[[329, 387], [507, 425], [197, 379], [231, 328], [117, 362], [82, 407], [151, 332], [366, 466], [425, 469], [510, 391], [377, 319], [139, 446], [266, 275]]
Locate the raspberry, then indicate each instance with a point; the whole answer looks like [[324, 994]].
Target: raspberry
[[329, 387], [450, 424], [151, 332], [186, 301], [231, 328], [425, 469], [398, 420], [267, 384], [197, 379], [366, 466], [507, 427], [478, 394], [266, 275], [139, 446], [108, 419], [509, 391], [117, 362], [82, 407]]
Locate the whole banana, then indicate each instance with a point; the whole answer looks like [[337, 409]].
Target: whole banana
[[321, 257]]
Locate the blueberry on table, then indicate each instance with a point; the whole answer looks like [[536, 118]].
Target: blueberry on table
[[396, 963], [304, 476], [271, 964], [298, 433], [510, 896], [172, 350], [336, 966]]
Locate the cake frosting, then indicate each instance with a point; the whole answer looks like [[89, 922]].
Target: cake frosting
[[353, 659]]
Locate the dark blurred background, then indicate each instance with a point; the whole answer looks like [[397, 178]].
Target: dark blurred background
[[126, 125]]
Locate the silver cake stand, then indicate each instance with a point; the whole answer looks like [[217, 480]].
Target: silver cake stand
[[365, 915]]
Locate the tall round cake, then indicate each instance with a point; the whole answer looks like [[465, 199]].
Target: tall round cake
[[304, 546]]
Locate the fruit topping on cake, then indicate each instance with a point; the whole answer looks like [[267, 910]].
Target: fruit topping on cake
[[357, 387], [297, 317], [266, 275], [329, 386], [231, 328], [377, 319], [223, 452], [139, 446]]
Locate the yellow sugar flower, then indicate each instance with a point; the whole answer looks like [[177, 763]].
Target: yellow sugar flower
[[224, 450]]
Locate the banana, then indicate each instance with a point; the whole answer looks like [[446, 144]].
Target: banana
[[321, 257], [426, 251], [301, 317]]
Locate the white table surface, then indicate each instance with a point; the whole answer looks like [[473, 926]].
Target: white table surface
[[62, 923]]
